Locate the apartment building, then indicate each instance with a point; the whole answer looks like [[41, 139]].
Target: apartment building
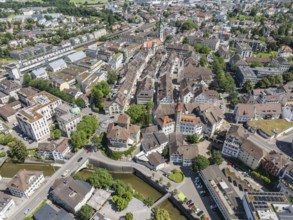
[[25, 183], [251, 154], [267, 205], [243, 49], [247, 112], [33, 119], [275, 163], [68, 117], [234, 139], [223, 194]]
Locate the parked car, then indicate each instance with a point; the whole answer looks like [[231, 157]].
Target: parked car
[[190, 205], [202, 192], [200, 213], [189, 202], [79, 159]]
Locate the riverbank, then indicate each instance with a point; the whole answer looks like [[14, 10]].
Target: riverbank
[[9, 169], [145, 189]]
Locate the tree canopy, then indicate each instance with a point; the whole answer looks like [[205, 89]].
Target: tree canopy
[[101, 178], [85, 129], [85, 213], [248, 86], [216, 157], [200, 162], [139, 114], [100, 91], [17, 151], [189, 25], [160, 214]]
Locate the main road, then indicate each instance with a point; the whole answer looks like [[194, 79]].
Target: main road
[[42, 193]]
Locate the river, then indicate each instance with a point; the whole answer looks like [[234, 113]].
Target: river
[[142, 187]]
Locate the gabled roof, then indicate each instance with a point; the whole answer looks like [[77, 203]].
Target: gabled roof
[[21, 180]]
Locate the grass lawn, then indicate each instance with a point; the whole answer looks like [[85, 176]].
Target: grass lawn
[[278, 125], [267, 55], [176, 176]]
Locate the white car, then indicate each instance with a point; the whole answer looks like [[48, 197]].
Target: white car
[[26, 211], [65, 173]]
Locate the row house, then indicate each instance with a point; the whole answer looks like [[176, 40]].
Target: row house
[[246, 112]]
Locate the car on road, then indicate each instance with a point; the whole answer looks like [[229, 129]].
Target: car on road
[[200, 213], [65, 173], [90, 113], [79, 159], [26, 211]]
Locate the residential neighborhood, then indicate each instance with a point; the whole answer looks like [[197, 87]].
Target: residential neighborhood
[[146, 110]]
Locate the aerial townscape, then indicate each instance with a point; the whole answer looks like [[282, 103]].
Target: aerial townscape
[[146, 109]]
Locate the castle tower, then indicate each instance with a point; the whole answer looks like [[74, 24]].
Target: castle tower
[[179, 109]]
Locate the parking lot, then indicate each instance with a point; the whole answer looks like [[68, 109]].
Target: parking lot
[[195, 190]]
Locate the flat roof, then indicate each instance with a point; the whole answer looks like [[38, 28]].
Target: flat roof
[[216, 182]]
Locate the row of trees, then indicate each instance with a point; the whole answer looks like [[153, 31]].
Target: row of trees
[[43, 85], [85, 129], [225, 80]]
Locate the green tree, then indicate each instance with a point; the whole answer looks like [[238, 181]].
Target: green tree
[[256, 64], [78, 139], [161, 179], [248, 86], [189, 25], [100, 91], [193, 138], [165, 152], [278, 79], [101, 178], [202, 49], [57, 134], [120, 203], [138, 114], [26, 80], [168, 185], [129, 216], [80, 102], [112, 77], [169, 37], [18, 151], [85, 213], [185, 40], [200, 162], [217, 157], [175, 191], [11, 99], [103, 38], [160, 214], [203, 61]]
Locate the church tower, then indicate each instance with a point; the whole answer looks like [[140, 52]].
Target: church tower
[[161, 30], [178, 113]]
